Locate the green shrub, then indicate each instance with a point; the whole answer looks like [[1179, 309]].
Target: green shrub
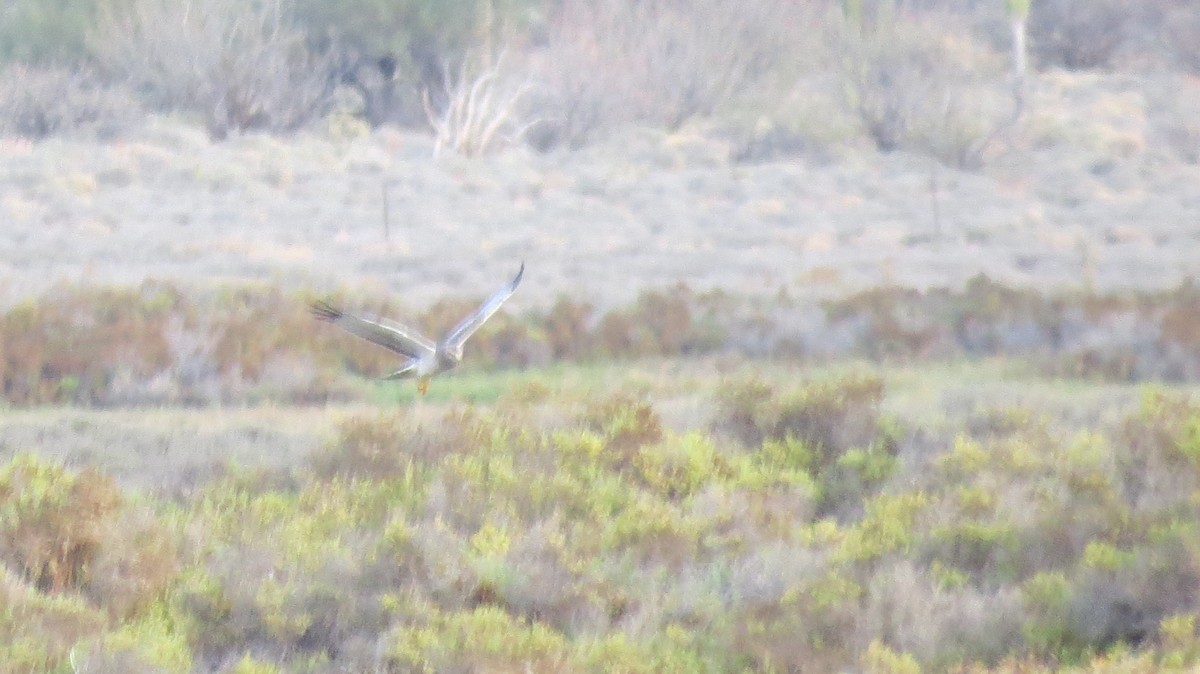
[[38, 631], [888, 526], [484, 639], [677, 467], [288, 573], [1047, 626], [1158, 452], [830, 430], [45, 31], [1178, 642], [151, 644], [741, 411], [879, 659]]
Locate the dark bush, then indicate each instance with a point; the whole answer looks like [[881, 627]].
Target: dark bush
[[1078, 34], [391, 51]]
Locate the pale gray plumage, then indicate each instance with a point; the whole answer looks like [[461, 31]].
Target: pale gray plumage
[[425, 357]]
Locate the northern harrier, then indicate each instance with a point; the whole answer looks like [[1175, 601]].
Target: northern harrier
[[425, 357]]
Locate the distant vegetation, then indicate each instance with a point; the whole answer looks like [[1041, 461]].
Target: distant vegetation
[[799, 528], [935, 77], [161, 344]]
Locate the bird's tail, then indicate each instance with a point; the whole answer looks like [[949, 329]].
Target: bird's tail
[[408, 370], [322, 311]]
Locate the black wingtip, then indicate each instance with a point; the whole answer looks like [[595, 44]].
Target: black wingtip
[[520, 272], [322, 311]]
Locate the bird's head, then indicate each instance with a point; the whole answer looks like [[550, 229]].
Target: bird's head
[[452, 354]]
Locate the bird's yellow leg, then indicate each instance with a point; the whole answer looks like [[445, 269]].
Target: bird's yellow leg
[[423, 386]]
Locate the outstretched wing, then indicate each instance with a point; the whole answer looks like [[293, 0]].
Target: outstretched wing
[[470, 324], [392, 336]]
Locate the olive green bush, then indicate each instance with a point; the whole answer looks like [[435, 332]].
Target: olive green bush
[[805, 530]]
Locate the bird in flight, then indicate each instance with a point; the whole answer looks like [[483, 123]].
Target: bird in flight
[[424, 357]]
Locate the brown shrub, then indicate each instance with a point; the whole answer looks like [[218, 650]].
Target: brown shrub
[[69, 345], [618, 335], [660, 323], [386, 445], [741, 410], [136, 563], [254, 597], [832, 416], [899, 322], [797, 614], [829, 416], [54, 523], [547, 587], [627, 423], [668, 319], [567, 330], [905, 608], [370, 447]]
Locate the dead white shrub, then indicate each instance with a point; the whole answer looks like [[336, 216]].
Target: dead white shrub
[[479, 112], [242, 65]]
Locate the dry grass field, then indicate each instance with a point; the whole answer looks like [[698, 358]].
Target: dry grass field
[[1097, 189]]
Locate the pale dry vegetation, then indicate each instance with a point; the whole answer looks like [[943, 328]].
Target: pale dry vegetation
[[660, 63], [236, 66], [41, 102], [914, 84]]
